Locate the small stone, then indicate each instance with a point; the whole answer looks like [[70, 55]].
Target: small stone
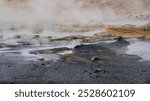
[[17, 36], [120, 38], [42, 64], [97, 71], [66, 52], [9, 66], [104, 71], [41, 59], [36, 36], [143, 70], [95, 58]]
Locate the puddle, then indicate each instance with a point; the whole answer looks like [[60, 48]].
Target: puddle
[[140, 48]]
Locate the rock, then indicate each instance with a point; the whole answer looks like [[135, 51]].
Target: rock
[[66, 52], [121, 42], [97, 71], [143, 70], [49, 37], [9, 66], [95, 58], [43, 64], [89, 47], [17, 36], [41, 59], [36, 36], [56, 50], [78, 46], [24, 43], [120, 38], [104, 71]]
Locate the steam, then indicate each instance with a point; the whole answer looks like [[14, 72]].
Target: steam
[[67, 13], [58, 12]]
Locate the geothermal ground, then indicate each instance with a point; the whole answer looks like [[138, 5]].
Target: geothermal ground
[[74, 41], [116, 55]]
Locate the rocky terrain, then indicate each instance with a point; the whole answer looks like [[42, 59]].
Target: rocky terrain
[[103, 60], [74, 41]]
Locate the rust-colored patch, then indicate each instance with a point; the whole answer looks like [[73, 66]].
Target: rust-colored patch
[[127, 32]]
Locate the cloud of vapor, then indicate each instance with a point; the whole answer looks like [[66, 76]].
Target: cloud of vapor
[[67, 13], [62, 12]]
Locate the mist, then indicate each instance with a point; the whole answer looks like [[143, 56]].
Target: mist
[[67, 14]]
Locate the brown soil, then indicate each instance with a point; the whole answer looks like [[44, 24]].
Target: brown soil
[[127, 32]]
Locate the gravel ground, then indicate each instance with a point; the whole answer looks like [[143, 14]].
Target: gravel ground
[[102, 63]]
